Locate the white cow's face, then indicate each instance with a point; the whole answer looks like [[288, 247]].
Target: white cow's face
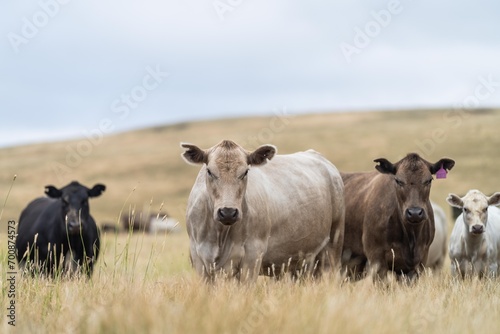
[[226, 171], [226, 179], [474, 207]]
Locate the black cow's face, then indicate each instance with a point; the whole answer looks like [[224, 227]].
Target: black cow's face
[[412, 182], [75, 205]]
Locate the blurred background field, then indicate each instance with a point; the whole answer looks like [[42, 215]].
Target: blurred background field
[[143, 283], [143, 169]]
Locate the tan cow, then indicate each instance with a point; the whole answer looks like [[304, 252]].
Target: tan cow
[[438, 248], [389, 219], [248, 215]]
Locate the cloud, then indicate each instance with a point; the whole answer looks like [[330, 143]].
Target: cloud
[[262, 56]]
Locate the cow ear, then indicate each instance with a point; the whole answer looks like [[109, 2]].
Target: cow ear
[[97, 190], [385, 166], [53, 192], [194, 155], [444, 163], [261, 155], [494, 199], [455, 201]]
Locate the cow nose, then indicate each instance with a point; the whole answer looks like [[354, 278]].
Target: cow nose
[[415, 215], [477, 229], [73, 226], [227, 216]]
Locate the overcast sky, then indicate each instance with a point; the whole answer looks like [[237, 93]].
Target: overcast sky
[[68, 67]]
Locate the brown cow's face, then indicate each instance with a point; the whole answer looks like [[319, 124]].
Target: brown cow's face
[[474, 207], [412, 183], [227, 167], [413, 186]]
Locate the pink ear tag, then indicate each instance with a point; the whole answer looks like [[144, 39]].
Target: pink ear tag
[[441, 173]]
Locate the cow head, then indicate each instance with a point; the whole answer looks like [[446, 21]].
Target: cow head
[[75, 205], [412, 183], [474, 207], [226, 168]]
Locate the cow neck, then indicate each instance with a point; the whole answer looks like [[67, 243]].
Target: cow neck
[[222, 234], [72, 239], [475, 243], [224, 244], [411, 234]]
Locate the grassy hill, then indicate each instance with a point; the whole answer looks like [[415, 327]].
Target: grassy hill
[[144, 284], [143, 169]]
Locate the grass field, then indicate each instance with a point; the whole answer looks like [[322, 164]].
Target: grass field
[[144, 283]]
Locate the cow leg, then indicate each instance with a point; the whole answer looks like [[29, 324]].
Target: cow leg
[[250, 269], [376, 266], [478, 268], [465, 268], [90, 256], [336, 244], [375, 254], [198, 264], [70, 264], [251, 263], [377, 270], [455, 269], [493, 269]]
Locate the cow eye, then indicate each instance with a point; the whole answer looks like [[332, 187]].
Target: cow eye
[[244, 175], [211, 174], [428, 182], [466, 210], [399, 182]]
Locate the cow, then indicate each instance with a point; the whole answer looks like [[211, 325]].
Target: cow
[[475, 239], [389, 222], [438, 248], [146, 222], [259, 213], [57, 235]]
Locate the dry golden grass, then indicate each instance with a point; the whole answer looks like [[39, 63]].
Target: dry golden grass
[[144, 283]]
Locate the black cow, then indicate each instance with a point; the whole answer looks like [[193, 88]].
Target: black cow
[[57, 235]]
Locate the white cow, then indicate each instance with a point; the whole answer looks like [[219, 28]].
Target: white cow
[[475, 239], [438, 247], [164, 224], [249, 215]]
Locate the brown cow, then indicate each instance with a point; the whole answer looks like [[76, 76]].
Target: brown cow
[[389, 222]]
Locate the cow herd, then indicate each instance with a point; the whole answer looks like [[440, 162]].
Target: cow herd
[[260, 213]]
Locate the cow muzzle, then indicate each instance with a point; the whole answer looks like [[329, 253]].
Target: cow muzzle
[[477, 229], [73, 226], [415, 215], [228, 216]]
